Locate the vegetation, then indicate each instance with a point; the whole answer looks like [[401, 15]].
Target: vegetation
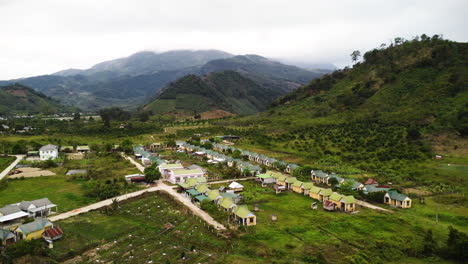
[[152, 173], [20, 99], [5, 161], [228, 91]]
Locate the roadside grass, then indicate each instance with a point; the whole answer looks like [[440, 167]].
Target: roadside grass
[[136, 233], [5, 161], [67, 195]]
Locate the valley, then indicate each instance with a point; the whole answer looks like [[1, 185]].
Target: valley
[[240, 159]]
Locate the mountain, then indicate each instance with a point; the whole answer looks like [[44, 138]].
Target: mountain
[[229, 91], [20, 99], [147, 62], [132, 81]]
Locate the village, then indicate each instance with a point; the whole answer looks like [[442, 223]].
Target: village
[[28, 220]]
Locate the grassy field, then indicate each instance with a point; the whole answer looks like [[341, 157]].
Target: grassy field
[[5, 161], [136, 233], [303, 235], [66, 194]]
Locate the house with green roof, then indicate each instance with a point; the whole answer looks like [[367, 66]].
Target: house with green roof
[[281, 180], [396, 199], [297, 186], [202, 188], [314, 192], [214, 195], [291, 167], [244, 215], [347, 204], [339, 180], [190, 193], [306, 186], [265, 179], [324, 194], [227, 203], [319, 176], [199, 198], [289, 182]]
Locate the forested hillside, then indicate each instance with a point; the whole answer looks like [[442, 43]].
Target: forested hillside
[[383, 115], [20, 99], [228, 91]]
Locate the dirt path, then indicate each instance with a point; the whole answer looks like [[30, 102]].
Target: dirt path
[[12, 165], [170, 190], [371, 206], [102, 204]]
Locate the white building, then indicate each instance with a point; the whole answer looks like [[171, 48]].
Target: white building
[[180, 176], [48, 152]]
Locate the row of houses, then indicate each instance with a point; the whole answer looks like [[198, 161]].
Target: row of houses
[[332, 201], [51, 152], [39, 228], [258, 158], [216, 157], [147, 158], [197, 190], [391, 197], [12, 215]]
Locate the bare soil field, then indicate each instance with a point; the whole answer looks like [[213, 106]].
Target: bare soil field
[[31, 173]]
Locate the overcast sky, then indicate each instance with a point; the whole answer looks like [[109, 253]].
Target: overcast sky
[[41, 37]]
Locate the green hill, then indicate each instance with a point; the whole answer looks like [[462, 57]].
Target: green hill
[[17, 98], [228, 91], [384, 115]]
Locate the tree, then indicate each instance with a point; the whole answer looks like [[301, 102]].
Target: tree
[[152, 173], [429, 244], [76, 116], [144, 116], [333, 181], [236, 154], [127, 146], [355, 56], [457, 243]]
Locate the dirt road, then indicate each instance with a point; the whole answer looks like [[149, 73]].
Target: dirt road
[[371, 206], [12, 165]]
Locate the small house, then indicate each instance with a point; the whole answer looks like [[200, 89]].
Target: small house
[[245, 216], [11, 214], [281, 180], [66, 148], [371, 182], [394, 198], [324, 194], [236, 187], [53, 234], [291, 167], [227, 203], [48, 152], [40, 207], [319, 176], [347, 204], [156, 145], [306, 186], [200, 198], [336, 199], [214, 195], [265, 179], [289, 182], [202, 188], [7, 237], [297, 187], [314, 192], [33, 230], [83, 149]]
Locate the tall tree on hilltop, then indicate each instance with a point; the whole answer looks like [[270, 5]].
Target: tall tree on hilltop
[[355, 56]]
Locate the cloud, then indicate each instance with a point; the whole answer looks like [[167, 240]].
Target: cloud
[[40, 37]]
